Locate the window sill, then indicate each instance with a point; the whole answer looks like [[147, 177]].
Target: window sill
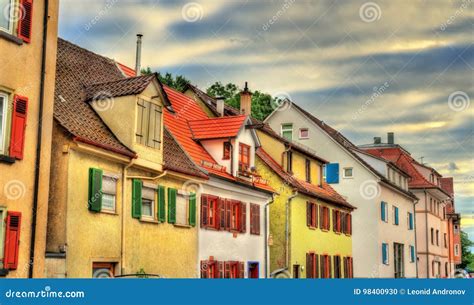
[[7, 159], [182, 225], [149, 220], [109, 212], [11, 38]]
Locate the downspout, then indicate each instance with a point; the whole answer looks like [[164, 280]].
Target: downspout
[[426, 227], [287, 230], [416, 243], [38, 144], [231, 157], [265, 242]]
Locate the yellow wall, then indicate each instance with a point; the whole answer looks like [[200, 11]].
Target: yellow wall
[[20, 74]]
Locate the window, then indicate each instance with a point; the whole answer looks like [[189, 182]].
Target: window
[[456, 229], [227, 151], [296, 271], [395, 215], [337, 266], [103, 270], [304, 133], [384, 211], [399, 260], [385, 253], [324, 218], [336, 221], [255, 219], [412, 254], [437, 237], [244, 157], [311, 214], [7, 16], [289, 161], [347, 173], [209, 210], [235, 216], [148, 202], [109, 190], [287, 131], [456, 249], [326, 267], [432, 236], [312, 265], [234, 270], [308, 170], [410, 221], [346, 223], [445, 240], [254, 272], [348, 268], [148, 131], [182, 208], [223, 214], [3, 120]]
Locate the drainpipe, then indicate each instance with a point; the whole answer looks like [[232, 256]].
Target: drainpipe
[[38, 144], [287, 230], [426, 226], [416, 243], [266, 234], [231, 157]]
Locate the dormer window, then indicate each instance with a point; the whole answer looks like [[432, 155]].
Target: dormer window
[[244, 157], [148, 130], [287, 131], [227, 151]]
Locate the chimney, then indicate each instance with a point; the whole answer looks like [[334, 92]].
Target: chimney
[[138, 58], [220, 105], [390, 138], [377, 140], [246, 101]]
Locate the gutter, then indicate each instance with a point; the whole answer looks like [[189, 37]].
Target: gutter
[[106, 147], [265, 243], [39, 142]]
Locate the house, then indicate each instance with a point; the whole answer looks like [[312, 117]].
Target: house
[[432, 230], [384, 241], [27, 61], [234, 200], [310, 224], [123, 199]]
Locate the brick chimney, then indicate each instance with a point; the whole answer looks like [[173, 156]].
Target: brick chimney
[[246, 101], [220, 105]]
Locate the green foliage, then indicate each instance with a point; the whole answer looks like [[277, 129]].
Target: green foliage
[[262, 103], [177, 82], [142, 274], [467, 257], [146, 71]]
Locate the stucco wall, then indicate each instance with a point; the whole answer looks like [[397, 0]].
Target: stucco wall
[[20, 74]]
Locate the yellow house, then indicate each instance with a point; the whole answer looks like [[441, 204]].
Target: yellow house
[[310, 223], [28, 36], [123, 192]]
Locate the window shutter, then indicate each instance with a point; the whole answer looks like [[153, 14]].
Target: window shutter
[[410, 221], [171, 205], [321, 215], [344, 260], [384, 253], [396, 215], [137, 198], [204, 269], [241, 270], [161, 203], [227, 270], [228, 211], [221, 213], [26, 17], [12, 240], [349, 224], [382, 210], [308, 213], [329, 266], [243, 217], [192, 209], [257, 219], [334, 221], [322, 266], [316, 210], [220, 269], [204, 211], [332, 173], [316, 266], [95, 190], [17, 141]]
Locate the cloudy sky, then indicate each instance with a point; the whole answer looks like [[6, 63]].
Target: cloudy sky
[[366, 68]]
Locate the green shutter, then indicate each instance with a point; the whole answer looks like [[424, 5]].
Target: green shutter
[[192, 209], [161, 204], [95, 190], [171, 205], [137, 198]]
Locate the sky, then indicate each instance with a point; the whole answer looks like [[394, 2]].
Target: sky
[[364, 67]]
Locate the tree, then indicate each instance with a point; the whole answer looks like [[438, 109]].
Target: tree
[[262, 103], [178, 82], [467, 258]]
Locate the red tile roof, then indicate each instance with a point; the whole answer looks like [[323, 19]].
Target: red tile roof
[[127, 71], [216, 128], [324, 192], [177, 122]]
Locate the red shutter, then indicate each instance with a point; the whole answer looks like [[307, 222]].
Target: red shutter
[[316, 210], [243, 217], [12, 240], [316, 266], [308, 213], [221, 212], [349, 224], [220, 269], [309, 266], [257, 219], [227, 270], [25, 20], [351, 268], [329, 266], [345, 266], [334, 221], [204, 211], [321, 219], [241, 270], [228, 211], [17, 141], [321, 267]]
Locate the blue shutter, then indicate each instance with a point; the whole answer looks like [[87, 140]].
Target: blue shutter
[[385, 253], [410, 221], [332, 173], [396, 215], [412, 254], [382, 210]]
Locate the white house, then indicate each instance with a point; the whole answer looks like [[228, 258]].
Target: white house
[[384, 242]]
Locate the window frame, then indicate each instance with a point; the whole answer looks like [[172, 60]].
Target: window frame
[[145, 130], [226, 150], [301, 130], [186, 196], [115, 179], [244, 147], [344, 173], [284, 129], [153, 203], [3, 123], [10, 20]]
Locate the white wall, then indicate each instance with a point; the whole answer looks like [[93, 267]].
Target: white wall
[[222, 245]]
